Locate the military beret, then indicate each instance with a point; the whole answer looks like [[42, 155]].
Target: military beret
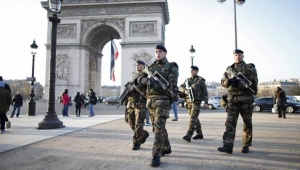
[[140, 62], [238, 51], [195, 68], [161, 48]]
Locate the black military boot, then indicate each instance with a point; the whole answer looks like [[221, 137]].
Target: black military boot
[[136, 147], [245, 149], [145, 136], [187, 138], [225, 149], [155, 161], [198, 137], [166, 152]]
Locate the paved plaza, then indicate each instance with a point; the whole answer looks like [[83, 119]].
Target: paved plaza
[[105, 142]]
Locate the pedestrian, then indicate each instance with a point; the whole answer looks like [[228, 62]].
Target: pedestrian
[[78, 103], [2, 84], [136, 107], [280, 100], [159, 100], [147, 119], [65, 101], [6, 86], [195, 90], [240, 100], [92, 102], [17, 102], [5, 101], [174, 110]]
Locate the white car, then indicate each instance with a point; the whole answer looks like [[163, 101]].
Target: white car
[[217, 98], [212, 104]]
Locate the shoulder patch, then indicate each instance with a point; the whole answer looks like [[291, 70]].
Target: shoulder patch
[[174, 64]]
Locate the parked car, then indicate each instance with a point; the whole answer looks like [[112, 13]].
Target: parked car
[[216, 98], [111, 100], [298, 98], [267, 103], [100, 99], [180, 102], [212, 104], [291, 99]]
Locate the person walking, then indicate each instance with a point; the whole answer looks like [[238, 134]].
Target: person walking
[[159, 101], [4, 116], [136, 108], [174, 110], [240, 100], [5, 101], [280, 100], [195, 92], [65, 101], [92, 102], [147, 119], [17, 102], [78, 103]]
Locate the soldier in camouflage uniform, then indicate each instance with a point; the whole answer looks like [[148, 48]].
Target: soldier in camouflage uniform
[[240, 101], [159, 102], [136, 108], [199, 91]]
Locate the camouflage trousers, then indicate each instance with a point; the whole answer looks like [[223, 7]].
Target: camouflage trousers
[[233, 110], [159, 113], [194, 123], [136, 117]]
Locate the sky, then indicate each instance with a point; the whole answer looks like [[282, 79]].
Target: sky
[[267, 31]]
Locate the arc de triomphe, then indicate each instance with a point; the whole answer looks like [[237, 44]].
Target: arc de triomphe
[[87, 25]]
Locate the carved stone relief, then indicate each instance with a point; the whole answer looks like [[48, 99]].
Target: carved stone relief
[[66, 31], [98, 10], [142, 55], [120, 22], [143, 28], [62, 67]]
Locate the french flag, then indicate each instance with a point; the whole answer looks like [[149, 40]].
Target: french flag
[[114, 56]]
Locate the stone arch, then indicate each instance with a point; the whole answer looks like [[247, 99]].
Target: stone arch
[[87, 25], [104, 30]]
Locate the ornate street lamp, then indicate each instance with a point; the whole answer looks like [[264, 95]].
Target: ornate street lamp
[[51, 120], [31, 103], [192, 51], [239, 2]]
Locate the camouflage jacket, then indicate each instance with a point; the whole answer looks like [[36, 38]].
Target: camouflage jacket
[[249, 71], [199, 89], [169, 72], [137, 92]]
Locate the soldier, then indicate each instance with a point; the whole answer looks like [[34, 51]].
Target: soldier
[[198, 94], [159, 101], [240, 101], [136, 108]]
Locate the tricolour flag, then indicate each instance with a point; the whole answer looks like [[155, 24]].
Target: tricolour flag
[[114, 56]]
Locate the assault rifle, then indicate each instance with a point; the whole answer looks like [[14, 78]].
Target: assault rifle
[[190, 90], [159, 79], [127, 89], [242, 78]]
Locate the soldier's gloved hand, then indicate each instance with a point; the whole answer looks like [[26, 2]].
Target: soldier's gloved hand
[[233, 82], [153, 84]]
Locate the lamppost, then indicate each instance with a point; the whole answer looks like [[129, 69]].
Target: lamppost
[[51, 120], [192, 51], [31, 103], [240, 2]]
